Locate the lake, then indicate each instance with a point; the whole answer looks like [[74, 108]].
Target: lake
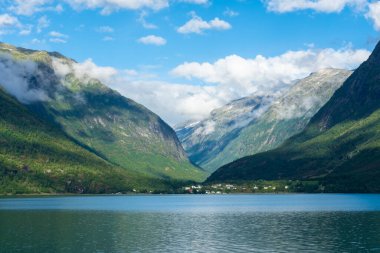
[[192, 223]]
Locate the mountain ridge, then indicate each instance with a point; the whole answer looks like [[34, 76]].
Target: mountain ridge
[[266, 127], [115, 128], [340, 147]]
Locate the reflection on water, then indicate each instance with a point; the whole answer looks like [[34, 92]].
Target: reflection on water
[[180, 230]]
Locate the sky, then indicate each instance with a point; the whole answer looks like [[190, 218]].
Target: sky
[[184, 58]]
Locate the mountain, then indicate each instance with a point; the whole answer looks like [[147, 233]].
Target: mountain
[[118, 130], [263, 127], [36, 157], [340, 147], [204, 140]]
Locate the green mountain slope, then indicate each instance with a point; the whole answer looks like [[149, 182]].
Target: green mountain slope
[[340, 146], [36, 157], [124, 133], [286, 117]]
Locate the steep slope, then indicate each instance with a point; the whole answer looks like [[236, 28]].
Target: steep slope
[[205, 139], [340, 146], [116, 128], [36, 157], [286, 117], [263, 123]]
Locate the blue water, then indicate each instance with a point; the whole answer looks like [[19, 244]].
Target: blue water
[[192, 223]]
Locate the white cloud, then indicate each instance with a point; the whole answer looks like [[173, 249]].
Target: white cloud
[[29, 7], [86, 70], [197, 25], [261, 75], [105, 29], [328, 6], [374, 14], [43, 22], [369, 8], [58, 40], [37, 41], [195, 1], [230, 13], [7, 23], [15, 78], [173, 102], [108, 38], [108, 6], [152, 40], [57, 37], [57, 34], [226, 79], [145, 23], [8, 20], [26, 30]]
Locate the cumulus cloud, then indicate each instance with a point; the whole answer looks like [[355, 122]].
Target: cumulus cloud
[[224, 80], [174, 102], [152, 40], [261, 74], [29, 7], [197, 25], [195, 1], [316, 5], [182, 101], [109, 6], [370, 9], [8, 22], [15, 78], [374, 14], [85, 71]]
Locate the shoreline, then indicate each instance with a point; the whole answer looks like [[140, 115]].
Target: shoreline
[[171, 194]]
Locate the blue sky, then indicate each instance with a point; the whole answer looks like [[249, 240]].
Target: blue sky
[[200, 51]]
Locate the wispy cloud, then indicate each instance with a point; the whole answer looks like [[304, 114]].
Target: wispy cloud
[[105, 29], [145, 23], [57, 37], [230, 13], [197, 25], [58, 40], [58, 34], [109, 6], [226, 79], [317, 5], [30, 7], [42, 23], [152, 40], [108, 38], [195, 1], [8, 23], [374, 14]]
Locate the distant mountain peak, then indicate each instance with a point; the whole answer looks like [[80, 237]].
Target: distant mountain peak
[[339, 148], [258, 123]]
